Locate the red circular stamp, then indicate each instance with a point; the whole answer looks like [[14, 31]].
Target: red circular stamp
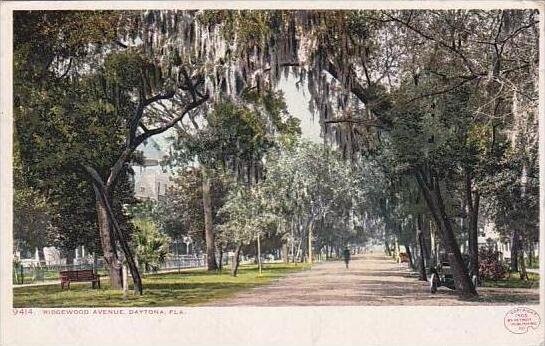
[[520, 320]]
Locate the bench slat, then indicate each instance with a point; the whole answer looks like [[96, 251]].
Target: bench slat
[[78, 275]]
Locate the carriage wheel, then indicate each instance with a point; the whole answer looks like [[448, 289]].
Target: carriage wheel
[[433, 283]]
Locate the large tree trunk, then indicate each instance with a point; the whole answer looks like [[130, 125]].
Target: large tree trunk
[[522, 262], [409, 255], [515, 251], [109, 227], [531, 253], [208, 222], [104, 196], [426, 239], [303, 250], [473, 199], [111, 258], [236, 260], [298, 252], [220, 260], [434, 199], [421, 263]]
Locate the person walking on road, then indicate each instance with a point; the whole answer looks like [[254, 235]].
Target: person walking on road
[[346, 256]]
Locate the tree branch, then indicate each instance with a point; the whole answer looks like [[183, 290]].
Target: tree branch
[[440, 42], [97, 179], [139, 112], [443, 91], [190, 85], [365, 122], [141, 138], [67, 69]]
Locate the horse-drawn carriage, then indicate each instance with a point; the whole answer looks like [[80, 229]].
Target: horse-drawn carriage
[[403, 258], [441, 275]]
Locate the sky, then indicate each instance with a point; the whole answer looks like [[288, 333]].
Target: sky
[[296, 102]]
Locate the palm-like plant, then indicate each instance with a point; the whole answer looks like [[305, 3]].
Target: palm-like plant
[[151, 246]]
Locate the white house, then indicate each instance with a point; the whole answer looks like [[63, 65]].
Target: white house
[[150, 179], [492, 238]]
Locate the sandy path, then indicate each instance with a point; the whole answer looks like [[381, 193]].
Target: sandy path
[[372, 279]]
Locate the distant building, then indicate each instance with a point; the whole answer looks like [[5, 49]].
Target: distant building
[[150, 180], [491, 238], [53, 256]]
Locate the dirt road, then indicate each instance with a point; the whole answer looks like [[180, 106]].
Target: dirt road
[[372, 279]]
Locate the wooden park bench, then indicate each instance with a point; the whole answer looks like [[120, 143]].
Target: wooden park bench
[[86, 275]]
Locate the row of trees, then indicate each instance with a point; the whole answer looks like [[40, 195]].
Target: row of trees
[[446, 99], [438, 107], [307, 197], [303, 194]]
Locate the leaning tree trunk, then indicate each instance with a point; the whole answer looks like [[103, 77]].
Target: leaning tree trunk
[[108, 245], [236, 260], [208, 222], [103, 194], [434, 200]]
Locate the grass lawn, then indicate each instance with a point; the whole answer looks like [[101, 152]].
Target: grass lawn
[[514, 281], [189, 288]]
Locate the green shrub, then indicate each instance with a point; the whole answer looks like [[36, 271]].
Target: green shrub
[[151, 246]]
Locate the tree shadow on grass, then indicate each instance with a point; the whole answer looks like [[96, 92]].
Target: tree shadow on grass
[[210, 286], [163, 289], [155, 294]]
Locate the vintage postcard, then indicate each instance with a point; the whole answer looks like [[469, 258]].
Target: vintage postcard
[[272, 172]]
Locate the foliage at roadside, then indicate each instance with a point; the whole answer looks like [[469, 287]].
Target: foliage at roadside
[[490, 266]]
